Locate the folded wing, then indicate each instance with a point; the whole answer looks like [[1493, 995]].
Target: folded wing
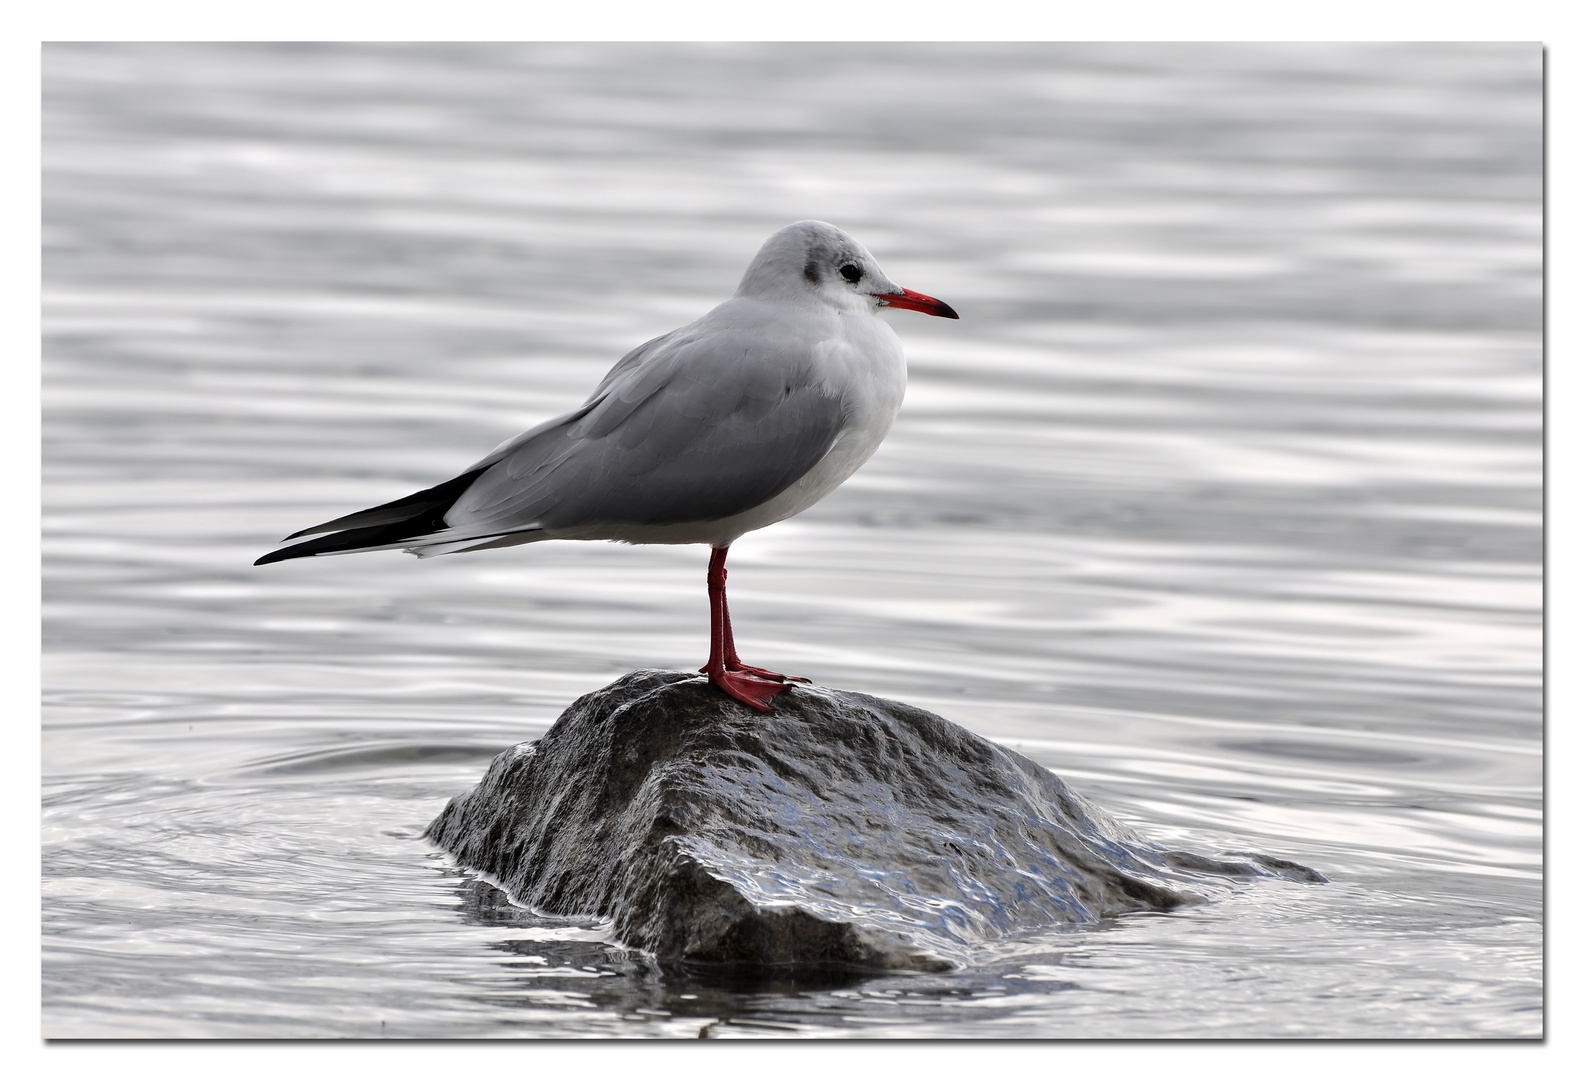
[[697, 425]]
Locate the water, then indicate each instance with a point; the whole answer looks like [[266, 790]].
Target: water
[[1222, 500]]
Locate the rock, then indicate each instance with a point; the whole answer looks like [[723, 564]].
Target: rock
[[842, 831]]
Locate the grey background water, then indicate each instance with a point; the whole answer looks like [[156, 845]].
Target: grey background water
[[1222, 500]]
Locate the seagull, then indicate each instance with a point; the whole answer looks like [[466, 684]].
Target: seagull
[[738, 420]]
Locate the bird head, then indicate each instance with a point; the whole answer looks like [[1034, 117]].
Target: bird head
[[813, 258]]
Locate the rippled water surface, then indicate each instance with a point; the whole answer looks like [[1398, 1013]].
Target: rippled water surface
[[1222, 500]]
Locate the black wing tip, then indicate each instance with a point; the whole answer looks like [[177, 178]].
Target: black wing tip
[[319, 545], [424, 512]]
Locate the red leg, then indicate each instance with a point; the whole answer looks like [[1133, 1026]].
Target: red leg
[[752, 686]]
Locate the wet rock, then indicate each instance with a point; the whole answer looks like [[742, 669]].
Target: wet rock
[[843, 831]]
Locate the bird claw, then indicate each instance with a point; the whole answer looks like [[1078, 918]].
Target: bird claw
[[751, 690], [763, 673]]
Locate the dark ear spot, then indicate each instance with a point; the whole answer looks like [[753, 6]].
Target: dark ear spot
[[811, 271], [851, 272]]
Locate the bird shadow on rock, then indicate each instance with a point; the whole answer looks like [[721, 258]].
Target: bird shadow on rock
[[840, 836]]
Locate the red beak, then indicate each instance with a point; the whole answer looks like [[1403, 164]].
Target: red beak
[[917, 301]]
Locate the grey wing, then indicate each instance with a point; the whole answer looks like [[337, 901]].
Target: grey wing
[[699, 430]]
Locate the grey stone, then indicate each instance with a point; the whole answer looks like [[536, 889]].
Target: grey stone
[[840, 832]]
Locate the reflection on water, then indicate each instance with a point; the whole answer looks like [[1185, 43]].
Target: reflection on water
[[1222, 500]]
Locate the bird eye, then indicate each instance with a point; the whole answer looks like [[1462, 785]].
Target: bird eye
[[851, 272]]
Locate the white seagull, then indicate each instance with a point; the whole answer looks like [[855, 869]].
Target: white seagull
[[749, 415]]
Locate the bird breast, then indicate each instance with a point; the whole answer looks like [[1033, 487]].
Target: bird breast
[[865, 367]]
